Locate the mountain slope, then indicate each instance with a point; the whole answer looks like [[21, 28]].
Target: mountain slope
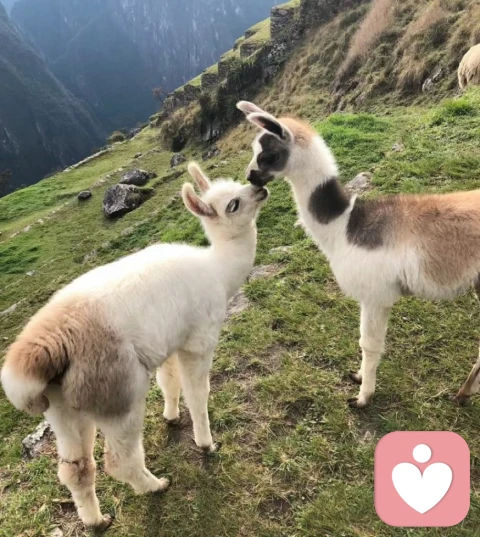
[[111, 54], [42, 126]]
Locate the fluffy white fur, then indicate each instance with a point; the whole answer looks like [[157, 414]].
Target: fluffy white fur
[[165, 307]]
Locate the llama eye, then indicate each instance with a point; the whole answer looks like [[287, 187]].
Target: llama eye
[[233, 206]]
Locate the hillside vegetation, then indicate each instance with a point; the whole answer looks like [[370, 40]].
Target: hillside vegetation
[[295, 461]]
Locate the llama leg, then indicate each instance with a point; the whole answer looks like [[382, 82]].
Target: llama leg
[[373, 329], [471, 385], [75, 435], [194, 372], [168, 378], [124, 455]]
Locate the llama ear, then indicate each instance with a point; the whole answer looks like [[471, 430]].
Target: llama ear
[[249, 108], [203, 182], [270, 124], [194, 204]]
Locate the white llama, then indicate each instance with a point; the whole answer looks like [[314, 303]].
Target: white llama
[[85, 358]]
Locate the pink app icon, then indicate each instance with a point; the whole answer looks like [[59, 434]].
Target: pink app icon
[[422, 479]]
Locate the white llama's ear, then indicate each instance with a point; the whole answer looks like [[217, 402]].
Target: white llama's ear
[[273, 126], [194, 204], [249, 108], [200, 178]]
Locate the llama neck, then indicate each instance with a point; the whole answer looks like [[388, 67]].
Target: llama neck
[[234, 259], [321, 200]]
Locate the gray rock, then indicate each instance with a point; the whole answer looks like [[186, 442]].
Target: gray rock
[[176, 160], [138, 155], [39, 221], [237, 304], [361, 183], [263, 271], [133, 132], [211, 153], [27, 229], [33, 444], [9, 310], [31, 273], [84, 195], [430, 82], [121, 199], [137, 177]]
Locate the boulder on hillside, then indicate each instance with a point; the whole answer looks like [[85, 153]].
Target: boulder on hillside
[[212, 152], [177, 159], [121, 199], [133, 132], [84, 195], [361, 183], [137, 177]]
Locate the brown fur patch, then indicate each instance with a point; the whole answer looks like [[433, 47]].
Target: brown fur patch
[[302, 131], [73, 345], [446, 229]]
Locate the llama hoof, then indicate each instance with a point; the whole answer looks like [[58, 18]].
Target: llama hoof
[[163, 485], [356, 402], [104, 525], [355, 377], [211, 449], [459, 400], [173, 423]]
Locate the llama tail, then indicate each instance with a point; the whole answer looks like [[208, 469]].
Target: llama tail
[[31, 363]]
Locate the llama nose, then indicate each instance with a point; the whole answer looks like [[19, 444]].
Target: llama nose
[[255, 177]]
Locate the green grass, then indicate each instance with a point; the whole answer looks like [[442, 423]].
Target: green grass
[[196, 82], [293, 4], [295, 461], [213, 69], [262, 33]]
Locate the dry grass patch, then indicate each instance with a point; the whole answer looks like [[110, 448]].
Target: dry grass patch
[[430, 16], [369, 32]]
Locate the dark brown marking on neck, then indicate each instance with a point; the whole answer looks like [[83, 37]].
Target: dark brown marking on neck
[[328, 201]]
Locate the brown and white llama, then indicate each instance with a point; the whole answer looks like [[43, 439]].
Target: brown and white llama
[[379, 249]]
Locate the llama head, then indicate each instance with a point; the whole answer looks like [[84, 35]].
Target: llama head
[[227, 209], [284, 147]]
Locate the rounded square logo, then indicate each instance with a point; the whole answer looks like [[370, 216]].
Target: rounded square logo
[[422, 479]]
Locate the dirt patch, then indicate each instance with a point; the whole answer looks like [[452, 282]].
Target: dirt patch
[[275, 508]]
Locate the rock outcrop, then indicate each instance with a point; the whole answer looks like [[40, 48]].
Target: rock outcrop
[[122, 199], [137, 177]]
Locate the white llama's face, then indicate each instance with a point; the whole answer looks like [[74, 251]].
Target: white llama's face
[[225, 205]]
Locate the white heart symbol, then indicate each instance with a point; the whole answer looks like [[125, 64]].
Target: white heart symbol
[[422, 493]]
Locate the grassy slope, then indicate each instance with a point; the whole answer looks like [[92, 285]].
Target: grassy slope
[[295, 460]]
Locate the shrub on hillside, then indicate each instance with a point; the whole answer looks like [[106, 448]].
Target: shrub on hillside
[[452, 109], [115, 137]]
